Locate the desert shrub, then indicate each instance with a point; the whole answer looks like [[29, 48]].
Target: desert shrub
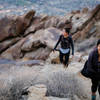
[[62, 84]]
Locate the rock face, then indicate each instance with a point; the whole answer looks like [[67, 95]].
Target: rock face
[[14, 51], [40, 33], [37, 92], [8, 43], [88, 28], [34, 46], [14, 26], [23, 22], [57, 81]]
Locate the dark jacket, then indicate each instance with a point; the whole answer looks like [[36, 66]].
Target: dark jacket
[[65, 43], [93, 66]]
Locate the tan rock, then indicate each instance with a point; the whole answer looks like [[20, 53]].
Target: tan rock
[[24, 21], [34, 46], [14, 52], [14, 26], [8, 43], [37, 92], [85, 10]]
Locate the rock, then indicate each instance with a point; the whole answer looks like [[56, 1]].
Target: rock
[[39, 89], [95, 11], [85, 10], [37, 92], [65, 22], [42, 22], [97, 24], [35, 25], [33, 41], [44, 17], [47, 37], [56, 98], [85, 32], [24, 21], [76, 97], [55, 61], [97, 17], [14, 26], [39, 54], [31, 29], [87, 45], [41, 43], [78, 21], [8, 43], [17, 51], [75, 12], [14, 52], [51, 22], [57, 77], [84, 29], [45, 22], [88, 28], [7, 28], [29, 62], [51, 35]]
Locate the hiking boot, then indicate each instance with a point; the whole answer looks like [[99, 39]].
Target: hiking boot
[[65, 66]]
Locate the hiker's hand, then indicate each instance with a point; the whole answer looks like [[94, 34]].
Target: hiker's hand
[[53, 50], [72, 56]]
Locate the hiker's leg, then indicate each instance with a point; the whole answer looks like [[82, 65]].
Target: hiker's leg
[[61, 57], [99, 88], [66, 59], [94, 88]]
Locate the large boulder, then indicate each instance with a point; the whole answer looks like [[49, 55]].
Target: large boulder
[[6, 30], [88, 28], [98, 29], [8, 43], [34, 46], [24, 21], [78, 21], [41, 43], [35, 25], [15, 25], [37, 92], [14, 52], [47, 37], [42, 22]]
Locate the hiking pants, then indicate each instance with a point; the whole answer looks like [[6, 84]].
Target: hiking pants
[[95, 85], [64, 58]]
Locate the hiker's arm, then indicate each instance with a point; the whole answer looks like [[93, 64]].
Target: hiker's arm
[[72, 45], [90, 61], [57, 42]]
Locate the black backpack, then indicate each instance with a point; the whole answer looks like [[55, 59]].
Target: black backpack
[[65, 41], [84, 71]]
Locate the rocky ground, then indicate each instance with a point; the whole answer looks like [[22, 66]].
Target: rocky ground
[[29, 70], [45, 82]]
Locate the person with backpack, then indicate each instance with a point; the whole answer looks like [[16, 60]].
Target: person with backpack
[[66, 42], [92, 70]]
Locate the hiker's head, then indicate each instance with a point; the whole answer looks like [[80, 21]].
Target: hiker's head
[[66, 31], [98, 45]]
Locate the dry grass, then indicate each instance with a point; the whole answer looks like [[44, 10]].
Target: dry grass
[[59, 82]]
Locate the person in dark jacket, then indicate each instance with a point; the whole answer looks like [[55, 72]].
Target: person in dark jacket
[[93, 69], [65, 41]]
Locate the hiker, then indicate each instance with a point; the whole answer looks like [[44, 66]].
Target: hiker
[[65, 41], [92, 69]]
